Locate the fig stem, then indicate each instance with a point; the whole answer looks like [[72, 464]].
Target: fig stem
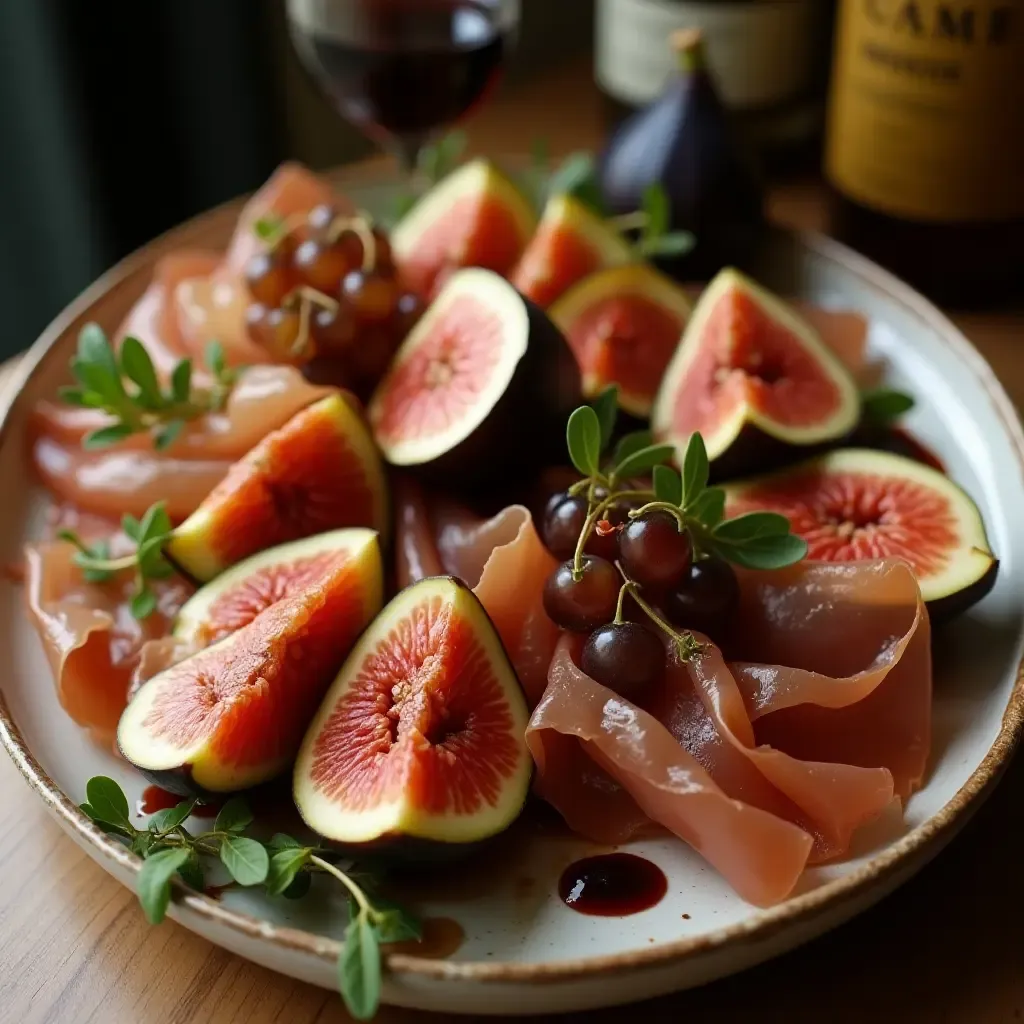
[[689, 46], [357, 894]]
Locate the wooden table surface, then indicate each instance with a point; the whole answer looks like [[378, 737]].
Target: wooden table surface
[[946, 949]]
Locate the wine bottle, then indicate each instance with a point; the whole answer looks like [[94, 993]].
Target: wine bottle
[[769, 59], [925, 142]]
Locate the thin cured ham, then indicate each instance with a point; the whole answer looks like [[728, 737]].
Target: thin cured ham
[[501, 558], [820, 727], [131, 475], [91, 640]]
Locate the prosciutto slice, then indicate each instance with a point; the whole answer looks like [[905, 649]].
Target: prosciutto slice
[[823, 724], [91, 640], [132, 475]]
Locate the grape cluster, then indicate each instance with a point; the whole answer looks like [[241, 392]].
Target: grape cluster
[[648, 558], [326, 296]]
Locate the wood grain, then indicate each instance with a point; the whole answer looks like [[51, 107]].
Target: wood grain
[[946, 949]]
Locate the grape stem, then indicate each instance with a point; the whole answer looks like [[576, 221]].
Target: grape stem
[[687, 646], [664, 506], [623, 590], [594, 516]]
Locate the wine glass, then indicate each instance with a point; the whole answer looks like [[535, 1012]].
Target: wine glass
[[404, 71]]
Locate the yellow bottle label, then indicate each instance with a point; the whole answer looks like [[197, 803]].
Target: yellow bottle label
[[926, 117]]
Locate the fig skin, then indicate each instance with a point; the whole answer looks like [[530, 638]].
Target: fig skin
[[685, 141], [525, 427]]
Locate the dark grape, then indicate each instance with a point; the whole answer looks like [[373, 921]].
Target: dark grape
[[654, 551], [333, 330], [586, 604], [706, 599], [369, 358], [329, 371], [270, 278], [321, 266], [563, 520], [627, 657], [372, 296], [320, 219], [408, 310], [278, 332]]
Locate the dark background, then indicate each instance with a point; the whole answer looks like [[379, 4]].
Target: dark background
[[121, 118]]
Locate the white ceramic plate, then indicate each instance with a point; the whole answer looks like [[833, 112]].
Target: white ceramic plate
[[524, 950]]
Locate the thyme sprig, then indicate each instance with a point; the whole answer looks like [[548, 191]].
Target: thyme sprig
[[123, 383], [282, 866]]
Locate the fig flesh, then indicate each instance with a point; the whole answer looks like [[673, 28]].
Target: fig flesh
[[318, 472], [480, 388], [754, 378], [421, 736], [571, 241], [475, 217], [233, 715], [623, 325], [854, 504]]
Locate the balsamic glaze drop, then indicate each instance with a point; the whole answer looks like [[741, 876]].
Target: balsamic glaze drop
[[612, 885]]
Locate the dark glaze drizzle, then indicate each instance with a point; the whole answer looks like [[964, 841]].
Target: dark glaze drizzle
[[612, 885]]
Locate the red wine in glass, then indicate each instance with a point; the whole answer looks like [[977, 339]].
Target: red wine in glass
[[404, 71]]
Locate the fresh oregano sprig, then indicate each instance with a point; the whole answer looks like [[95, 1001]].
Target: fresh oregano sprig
[[123, 383], [282, 866], [881, 407], [147, 561], [755, 540]]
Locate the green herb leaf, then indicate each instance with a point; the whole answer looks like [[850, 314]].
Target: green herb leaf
[[143, 604], [709, 507], [181, 380], [169, 818], [284, 866], [644, 460], [394, 923], [247, 861], [96, 352], [404, 202], [583, 437], [766, 552], [213, 356], [696, 469], [359, 969], [654, 203], [281, 841], [268, 227], [155, 522], [165, 436], [577, 176], [131, 527], [234, 816], [606, 405], [116, 830], [154, 885], [108, 802], [439, 160], [73, 396], [630, 443], [191, 873], [674, 243], [142, 844], [751, 526], [137, 366], [106, 436], [668, 485], [883, 406]]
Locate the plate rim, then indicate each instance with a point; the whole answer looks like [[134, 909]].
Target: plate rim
[[834, 894]]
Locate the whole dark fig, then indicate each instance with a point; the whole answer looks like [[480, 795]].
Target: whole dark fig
[[685, 142]]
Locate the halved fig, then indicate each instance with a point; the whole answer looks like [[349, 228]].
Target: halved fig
[[753, 377], [235, 597], [422, 733], [481, 385], [856, 503], [570, 242], [233, 715], [318, 472], [623, 324], [475, 217]]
